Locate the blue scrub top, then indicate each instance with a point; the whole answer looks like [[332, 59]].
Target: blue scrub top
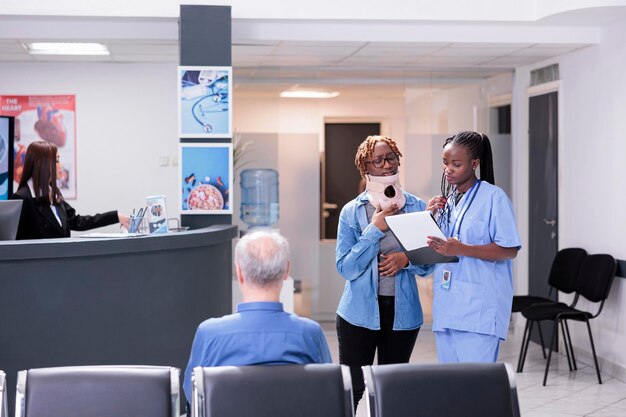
[[480, 293]]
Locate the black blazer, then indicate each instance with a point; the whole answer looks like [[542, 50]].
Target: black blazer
[[38, 222]]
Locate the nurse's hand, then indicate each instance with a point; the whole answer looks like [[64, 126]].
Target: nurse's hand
[[378, 218], [450, 247], [438, 202], [392, 263], [124, 220]]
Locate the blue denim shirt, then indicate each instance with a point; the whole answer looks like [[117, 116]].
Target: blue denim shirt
[[259, 333], [357, 261]]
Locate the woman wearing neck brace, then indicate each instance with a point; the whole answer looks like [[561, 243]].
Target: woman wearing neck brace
[[380, 308]]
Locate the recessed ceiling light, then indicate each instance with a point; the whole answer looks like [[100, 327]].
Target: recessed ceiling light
[[66, 48], [309, 94]]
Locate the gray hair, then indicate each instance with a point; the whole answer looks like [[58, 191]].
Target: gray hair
[[263, 257]]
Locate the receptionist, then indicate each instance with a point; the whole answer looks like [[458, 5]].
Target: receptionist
[[45, 214]]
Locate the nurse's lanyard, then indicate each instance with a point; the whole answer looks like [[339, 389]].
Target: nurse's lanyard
[[466, 205]]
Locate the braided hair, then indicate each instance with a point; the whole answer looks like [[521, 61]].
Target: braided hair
[[366, 148], [478, 147]]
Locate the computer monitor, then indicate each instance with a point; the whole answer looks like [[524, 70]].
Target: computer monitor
[[10, 211], [7, 125]]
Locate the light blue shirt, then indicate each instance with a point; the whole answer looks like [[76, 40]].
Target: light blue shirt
[[259, 333], [357, 261], [481, 292]]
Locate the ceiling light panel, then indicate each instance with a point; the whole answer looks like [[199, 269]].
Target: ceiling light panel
[[309, 94], [66, 48]]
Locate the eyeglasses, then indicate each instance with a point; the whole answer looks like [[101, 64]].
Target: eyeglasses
[[380, 162]]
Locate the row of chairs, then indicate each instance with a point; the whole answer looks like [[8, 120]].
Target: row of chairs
[[470, 390], [572, 271]]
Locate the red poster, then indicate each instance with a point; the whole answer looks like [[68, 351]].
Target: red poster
[[51, 118]]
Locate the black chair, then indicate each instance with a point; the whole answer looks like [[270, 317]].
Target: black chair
[[272, 391], [563, 273], [443, 390], [593, 282], [98, 391], [3, 395]]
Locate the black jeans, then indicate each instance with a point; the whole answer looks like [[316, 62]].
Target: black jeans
[[357, 345]]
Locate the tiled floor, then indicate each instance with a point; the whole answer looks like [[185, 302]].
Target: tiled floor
[[567, 394]]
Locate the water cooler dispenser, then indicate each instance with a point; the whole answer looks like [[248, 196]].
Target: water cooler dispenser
[[259, 197]]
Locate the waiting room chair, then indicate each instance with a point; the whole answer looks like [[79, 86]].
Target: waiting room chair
[[441, 390], [593, 283], [563, 273], [3, 395], [98, 391], [272, 391]]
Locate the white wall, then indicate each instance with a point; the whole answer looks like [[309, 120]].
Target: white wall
[[431, 114], [125, 121], [591, 175]]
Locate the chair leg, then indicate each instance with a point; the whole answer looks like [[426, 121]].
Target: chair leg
[[593, 350], [520, 364], [543, 345], [525, 340], [571, 347], [555, 330], [569, 360]]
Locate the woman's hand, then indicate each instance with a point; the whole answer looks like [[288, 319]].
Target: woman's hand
[[378, 218], [450, 247], [489, 252], [436, 203], [124, 221], [392, 263]]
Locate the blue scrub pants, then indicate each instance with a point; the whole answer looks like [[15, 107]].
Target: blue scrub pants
[[454, 346]]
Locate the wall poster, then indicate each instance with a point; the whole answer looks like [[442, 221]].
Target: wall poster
[[44, 117], [204, 106], [206, 178]]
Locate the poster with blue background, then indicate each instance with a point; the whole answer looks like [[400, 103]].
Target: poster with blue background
[[6, 149], [204, 106], [206, 173]]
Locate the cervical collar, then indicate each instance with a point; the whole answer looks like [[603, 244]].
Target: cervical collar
[[384, 191]]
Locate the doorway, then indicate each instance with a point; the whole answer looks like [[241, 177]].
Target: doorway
[[340, 177], [542, 194]]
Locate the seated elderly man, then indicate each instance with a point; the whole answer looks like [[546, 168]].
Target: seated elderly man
[[260, 332]]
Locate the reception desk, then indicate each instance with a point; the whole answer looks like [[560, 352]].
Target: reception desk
[[82, 301]]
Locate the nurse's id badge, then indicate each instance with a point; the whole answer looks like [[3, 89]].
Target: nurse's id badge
[[445, 279]]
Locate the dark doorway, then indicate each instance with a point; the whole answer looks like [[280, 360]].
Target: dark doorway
[[340, 177], [542, 194], [504, 119]]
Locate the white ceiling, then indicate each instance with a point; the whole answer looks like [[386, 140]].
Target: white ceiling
[[328, 62], [385, 62], [332, 54]]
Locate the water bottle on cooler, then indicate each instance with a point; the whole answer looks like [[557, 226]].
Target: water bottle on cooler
[[259, 197]]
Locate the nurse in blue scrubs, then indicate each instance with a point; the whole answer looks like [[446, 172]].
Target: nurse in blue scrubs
[[472, 298]]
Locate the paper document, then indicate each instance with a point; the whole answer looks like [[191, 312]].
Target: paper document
[[110, 235], [411, 230]]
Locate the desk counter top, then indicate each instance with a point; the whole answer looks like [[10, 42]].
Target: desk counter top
[[77, 246]]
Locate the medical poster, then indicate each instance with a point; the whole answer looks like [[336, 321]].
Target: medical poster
[[204, 108], [50, 118], [206, 175], [6, 149]]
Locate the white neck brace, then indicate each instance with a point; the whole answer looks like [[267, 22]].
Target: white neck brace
[[384, 191]]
